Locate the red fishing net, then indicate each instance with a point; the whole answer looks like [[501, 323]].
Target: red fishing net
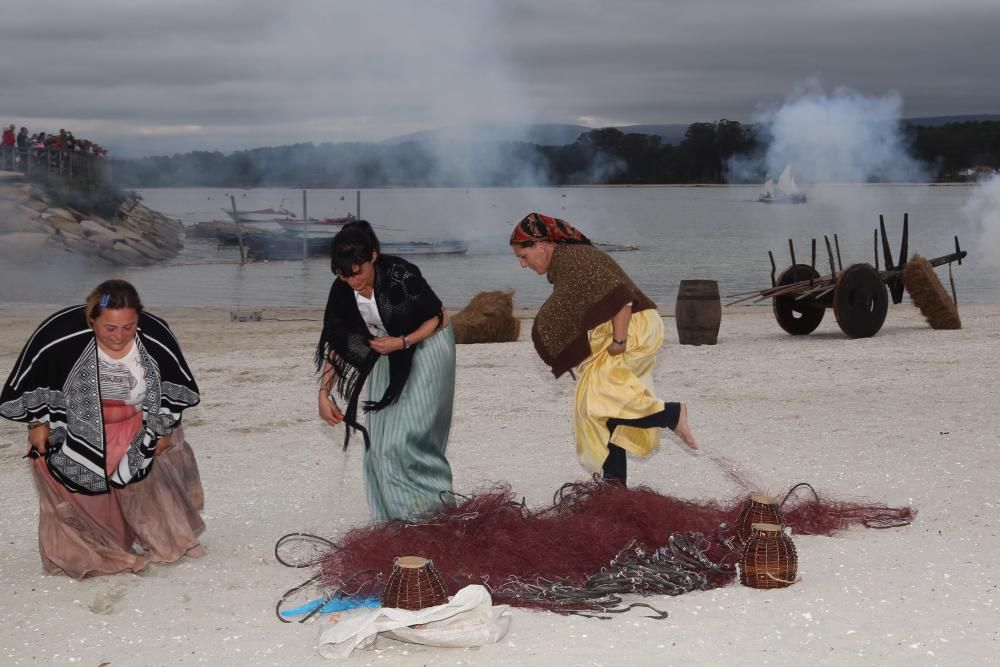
[[595, 540]]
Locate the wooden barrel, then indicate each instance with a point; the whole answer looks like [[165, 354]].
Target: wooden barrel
[[698, 312]]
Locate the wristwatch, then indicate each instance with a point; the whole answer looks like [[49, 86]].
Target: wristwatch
[[618, 341]]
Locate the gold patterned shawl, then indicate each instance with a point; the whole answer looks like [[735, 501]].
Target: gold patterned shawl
[[588, 288]]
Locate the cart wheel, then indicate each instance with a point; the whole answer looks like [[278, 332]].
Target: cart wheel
[[860, 301], [796, 317]]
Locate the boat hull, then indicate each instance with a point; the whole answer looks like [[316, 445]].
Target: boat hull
[[789, 199], [290, 246]]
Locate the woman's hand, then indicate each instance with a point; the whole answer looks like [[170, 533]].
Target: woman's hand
[[328, 410], [386, 344], [162, 443], [614, 349], [38, 438]]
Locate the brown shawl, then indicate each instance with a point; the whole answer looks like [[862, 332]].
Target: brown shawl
[[588, 288]]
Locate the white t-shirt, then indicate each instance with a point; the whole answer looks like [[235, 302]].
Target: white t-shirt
[[369, 313], [122, 379]]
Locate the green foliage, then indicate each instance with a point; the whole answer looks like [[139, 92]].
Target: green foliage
[[605, 156], [956, 146]]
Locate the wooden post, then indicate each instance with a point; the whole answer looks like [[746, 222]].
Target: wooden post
[[359, 205], [239, 230], [305, 218]]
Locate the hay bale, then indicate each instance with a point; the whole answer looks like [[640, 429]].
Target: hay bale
[[929, 295], [489, 318]]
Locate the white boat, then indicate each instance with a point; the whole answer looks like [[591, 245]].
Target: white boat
[[448, 247], [785, 191], [260, 215]]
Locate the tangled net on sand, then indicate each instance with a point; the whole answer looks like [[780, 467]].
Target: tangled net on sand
[[596, 542]]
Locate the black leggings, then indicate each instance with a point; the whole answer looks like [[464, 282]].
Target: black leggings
[[616, 465]]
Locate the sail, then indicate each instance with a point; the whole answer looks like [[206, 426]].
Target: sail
[[786, 184], [768, 187]]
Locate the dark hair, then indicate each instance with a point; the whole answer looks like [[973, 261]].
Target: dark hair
[[352, 246], [112, 294]]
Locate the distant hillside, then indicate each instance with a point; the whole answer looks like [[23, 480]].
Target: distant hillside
[[938, 121], [541, 134], [530, 155]]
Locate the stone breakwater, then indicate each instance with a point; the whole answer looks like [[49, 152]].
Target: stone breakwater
[[32, 226]]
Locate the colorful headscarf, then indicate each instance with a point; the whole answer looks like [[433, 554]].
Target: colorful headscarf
[[538, 227]]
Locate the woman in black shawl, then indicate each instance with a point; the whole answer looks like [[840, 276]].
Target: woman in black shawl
[[101, 387], [384, 324]]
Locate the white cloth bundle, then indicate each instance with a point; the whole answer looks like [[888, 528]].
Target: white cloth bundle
[[468, 619]]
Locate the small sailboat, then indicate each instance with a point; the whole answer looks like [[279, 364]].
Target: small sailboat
[[785, 191]]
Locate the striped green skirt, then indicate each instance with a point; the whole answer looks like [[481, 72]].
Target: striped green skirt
[[405, 468]]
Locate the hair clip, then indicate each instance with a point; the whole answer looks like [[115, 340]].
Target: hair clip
[[105, 299]]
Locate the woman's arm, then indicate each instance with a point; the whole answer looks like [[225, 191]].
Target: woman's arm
[[387, 344], [619, 330], [328, 410]]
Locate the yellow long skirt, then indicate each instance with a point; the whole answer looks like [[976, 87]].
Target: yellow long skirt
[[617, 386]]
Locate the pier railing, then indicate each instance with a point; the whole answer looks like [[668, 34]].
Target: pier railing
[[73, 166]]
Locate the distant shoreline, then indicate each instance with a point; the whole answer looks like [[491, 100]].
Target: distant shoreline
[[755, 186]]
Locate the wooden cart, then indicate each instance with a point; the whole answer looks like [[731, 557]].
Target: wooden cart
[[859, 294]]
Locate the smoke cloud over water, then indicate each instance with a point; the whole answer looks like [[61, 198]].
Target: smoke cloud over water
[[982, 211], [843, 137]]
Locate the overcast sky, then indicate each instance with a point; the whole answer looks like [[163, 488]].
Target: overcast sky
[[166, 76]]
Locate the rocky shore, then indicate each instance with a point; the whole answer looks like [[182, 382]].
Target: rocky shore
[[33, 226]]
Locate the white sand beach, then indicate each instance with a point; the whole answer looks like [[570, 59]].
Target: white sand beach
[[909, 417]]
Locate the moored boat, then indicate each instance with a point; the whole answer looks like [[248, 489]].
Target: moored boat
[[292, 245], [785, 191]]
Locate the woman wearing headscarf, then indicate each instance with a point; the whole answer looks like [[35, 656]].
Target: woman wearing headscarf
[[597, 321], [101, 387], [383, 323]]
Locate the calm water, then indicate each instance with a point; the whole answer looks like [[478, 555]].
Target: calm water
[[720, 233]]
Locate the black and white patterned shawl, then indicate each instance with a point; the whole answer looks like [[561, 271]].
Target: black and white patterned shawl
[[55, 381], [404, 301]]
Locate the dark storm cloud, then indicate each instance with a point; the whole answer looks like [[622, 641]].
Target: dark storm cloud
[[150, 76]]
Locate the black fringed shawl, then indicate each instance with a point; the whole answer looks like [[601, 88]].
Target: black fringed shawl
[[55, 381], [404, 301]]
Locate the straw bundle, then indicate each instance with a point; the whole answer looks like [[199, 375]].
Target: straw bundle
[[929, 295], [489, 318]]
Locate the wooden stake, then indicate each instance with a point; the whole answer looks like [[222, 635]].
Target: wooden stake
[[239, 230]]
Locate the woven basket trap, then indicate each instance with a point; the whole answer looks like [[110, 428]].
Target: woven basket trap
[[414, 584], [758, 509], [769, 558]]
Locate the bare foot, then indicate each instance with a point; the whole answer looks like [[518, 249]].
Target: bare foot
[[683, 431], [197, 551]]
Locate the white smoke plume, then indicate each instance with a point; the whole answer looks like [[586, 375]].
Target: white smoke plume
[[982, 211], [843, 137]]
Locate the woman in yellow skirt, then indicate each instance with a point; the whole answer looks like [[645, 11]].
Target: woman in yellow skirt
[[597, 321]]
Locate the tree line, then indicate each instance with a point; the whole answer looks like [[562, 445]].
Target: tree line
[[606, 156]]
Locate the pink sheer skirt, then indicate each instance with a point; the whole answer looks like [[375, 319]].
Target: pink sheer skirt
[[85, 535]]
